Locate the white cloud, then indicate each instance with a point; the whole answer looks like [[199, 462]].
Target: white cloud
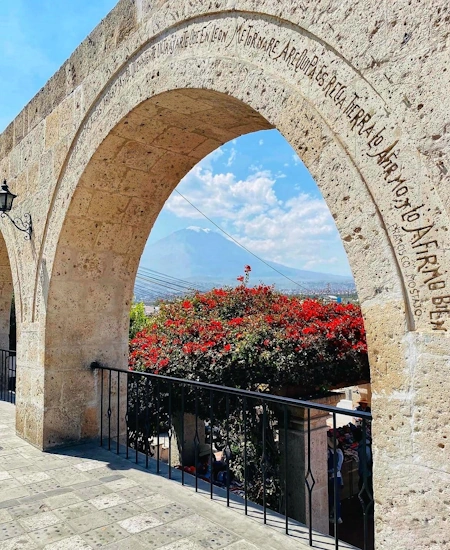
[[231, 157], [299, 231], [199, 229], [222, 195], [296, 159], [261, 142], [318, 262]]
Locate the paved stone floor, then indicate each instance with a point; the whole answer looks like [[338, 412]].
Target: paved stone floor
[[85, 497]]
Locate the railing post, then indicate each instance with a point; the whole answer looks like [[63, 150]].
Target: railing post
[[112, 408]]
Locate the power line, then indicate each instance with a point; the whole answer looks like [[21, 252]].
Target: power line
[[145, 283], [241, 245], [148, 287], [187, 283], [184, 284], [149, 281], [162, 282]]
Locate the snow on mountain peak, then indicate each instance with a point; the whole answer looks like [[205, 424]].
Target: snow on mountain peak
[[198, 229]]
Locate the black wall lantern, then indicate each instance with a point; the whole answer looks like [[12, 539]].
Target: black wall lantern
[[6, 201]]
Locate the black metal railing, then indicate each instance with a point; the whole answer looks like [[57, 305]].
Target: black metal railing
[[8, 375], [267, 444]]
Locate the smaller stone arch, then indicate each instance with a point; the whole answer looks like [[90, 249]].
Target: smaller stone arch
[[6, 294], [7, 363]]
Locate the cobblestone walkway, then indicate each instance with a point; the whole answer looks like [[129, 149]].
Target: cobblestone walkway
[[86, 497]]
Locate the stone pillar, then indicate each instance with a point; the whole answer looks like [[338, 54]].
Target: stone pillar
[[300, 457], [6, 294], [190, 429]]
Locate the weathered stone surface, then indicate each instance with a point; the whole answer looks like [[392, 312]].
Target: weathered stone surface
[[360, 93]]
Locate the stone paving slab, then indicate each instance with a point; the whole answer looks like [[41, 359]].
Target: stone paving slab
[[86, 497]]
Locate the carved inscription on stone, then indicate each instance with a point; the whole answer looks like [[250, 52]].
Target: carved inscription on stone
[[308, 63]]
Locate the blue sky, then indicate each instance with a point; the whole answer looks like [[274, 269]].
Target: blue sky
[[255, 187]]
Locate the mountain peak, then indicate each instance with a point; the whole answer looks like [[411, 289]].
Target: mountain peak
[[205, 256], [198, 229]]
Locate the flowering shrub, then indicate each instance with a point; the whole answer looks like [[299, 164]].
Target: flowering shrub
[[255, 337], [250, 338]]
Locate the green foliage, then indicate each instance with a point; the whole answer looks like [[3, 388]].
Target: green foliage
[[138, 320]]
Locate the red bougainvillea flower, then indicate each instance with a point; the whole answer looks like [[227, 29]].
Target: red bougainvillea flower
[[275, 340]]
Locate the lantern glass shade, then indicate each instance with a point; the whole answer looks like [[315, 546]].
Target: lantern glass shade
[[6, 198]]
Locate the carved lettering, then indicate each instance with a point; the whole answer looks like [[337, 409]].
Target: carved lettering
[[415, 236]]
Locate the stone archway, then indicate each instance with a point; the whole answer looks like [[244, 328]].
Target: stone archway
[[158, 86], [114, 205]]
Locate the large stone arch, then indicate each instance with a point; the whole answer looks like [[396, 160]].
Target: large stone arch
[[125, 180], [351, 91]]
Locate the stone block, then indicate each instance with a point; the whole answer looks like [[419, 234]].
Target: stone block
[[7, 140], [139, 156], [47, 99], [178, 140]]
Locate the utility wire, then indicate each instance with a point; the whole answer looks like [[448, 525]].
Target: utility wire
[[242, 246], [174, 288], [187, 283], [150, 291], [144, 283], [142, 272], [167, 284], [184, 285], [148, 281], [149, 288]]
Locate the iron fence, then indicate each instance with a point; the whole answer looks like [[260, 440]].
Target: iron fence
[[8, 375], [253, 445]]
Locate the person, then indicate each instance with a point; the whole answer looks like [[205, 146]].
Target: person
[[365, 461], [331, 479], [203, 465], [363, 406]]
